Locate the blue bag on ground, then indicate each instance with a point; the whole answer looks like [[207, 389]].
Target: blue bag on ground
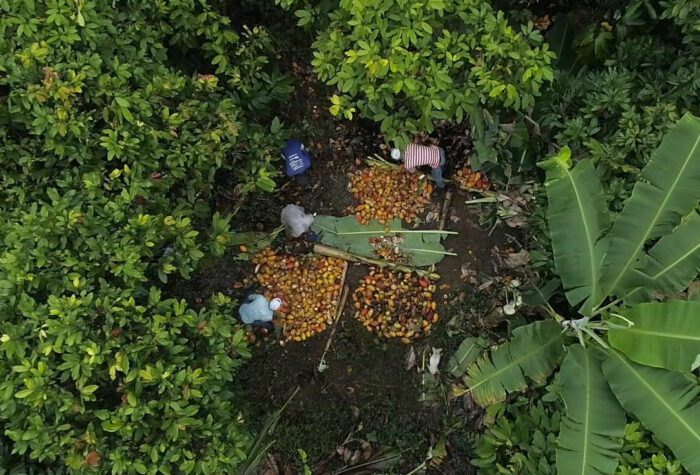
[[297, 160]]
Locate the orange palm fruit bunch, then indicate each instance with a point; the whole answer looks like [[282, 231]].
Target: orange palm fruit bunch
[[309, 288], [395, 305], [388, 193], [468, 178]]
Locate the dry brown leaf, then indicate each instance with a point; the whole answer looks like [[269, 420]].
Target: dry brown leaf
[[516, 222], [435, 360], [92, 459], [366, 450], [270, 467], [410, 358], [517, 259], [355, 457], [468, 275]]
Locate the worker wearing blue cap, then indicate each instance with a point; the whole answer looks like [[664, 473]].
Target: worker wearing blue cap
[[297, 161]]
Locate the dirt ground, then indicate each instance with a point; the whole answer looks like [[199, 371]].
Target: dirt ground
[[366, 393]]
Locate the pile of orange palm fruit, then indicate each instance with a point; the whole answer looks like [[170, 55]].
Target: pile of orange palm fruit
[[395, 305], [309, 288], [469, 179], [385, 193]]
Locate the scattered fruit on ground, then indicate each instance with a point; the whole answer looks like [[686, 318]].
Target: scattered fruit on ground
[[385, 193], [469, 179], [389, 248], [309, 287], [395, 305]]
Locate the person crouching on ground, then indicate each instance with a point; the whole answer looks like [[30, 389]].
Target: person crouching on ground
[[419, 155], [257, 311]]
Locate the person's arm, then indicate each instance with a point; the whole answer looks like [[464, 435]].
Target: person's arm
[[266, 315]]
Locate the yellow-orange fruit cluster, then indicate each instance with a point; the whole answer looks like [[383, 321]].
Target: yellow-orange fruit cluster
[[395, 305], [468, 178], [385, 193], [308, 286]]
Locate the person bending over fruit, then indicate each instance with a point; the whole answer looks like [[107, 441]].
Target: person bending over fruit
[[419, 155]]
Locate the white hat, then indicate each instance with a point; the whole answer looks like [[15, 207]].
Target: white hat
[[395, 153], [275, 304]]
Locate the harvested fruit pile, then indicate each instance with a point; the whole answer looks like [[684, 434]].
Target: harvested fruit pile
[[468, 178], [385, 193], [388, 248], [309, 288], [395, 305]]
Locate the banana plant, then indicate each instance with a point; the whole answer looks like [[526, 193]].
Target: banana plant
[[622, 348]]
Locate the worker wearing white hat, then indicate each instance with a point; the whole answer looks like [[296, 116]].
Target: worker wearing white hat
[[256, 310], [419, 155]]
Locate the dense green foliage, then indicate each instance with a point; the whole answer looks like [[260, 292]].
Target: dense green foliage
[[634, 354], [114, 120], [408, 65], [625, 77], [521, 437], [613, 102], [121, 121]]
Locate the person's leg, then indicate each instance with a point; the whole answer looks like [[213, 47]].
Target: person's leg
[[267, 325], [437, 172]]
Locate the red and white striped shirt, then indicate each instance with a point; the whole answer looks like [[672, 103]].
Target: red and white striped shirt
[[419, 155]]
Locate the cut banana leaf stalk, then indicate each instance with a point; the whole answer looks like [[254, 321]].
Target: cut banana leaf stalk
[[377, 161], [487, 199], [349, 256]]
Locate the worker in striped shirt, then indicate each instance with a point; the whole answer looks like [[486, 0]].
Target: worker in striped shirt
[[419, 155]]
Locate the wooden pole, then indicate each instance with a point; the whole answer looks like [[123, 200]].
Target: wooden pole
[[349, 256], [339, 312], [340, 291], [445, 210], [443, 217]]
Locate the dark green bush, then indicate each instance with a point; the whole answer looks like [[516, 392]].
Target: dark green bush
[[616, 109], [115, 118], [408, 65], [520, 437]]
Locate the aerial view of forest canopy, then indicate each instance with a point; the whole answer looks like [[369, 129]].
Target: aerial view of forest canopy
[[346, 237]]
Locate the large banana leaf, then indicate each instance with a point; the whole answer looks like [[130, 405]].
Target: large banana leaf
[[590, 434], [470, 348], [664, 335], [578, 219], [669, 190], [672, 263], [663, 401], [535, 351], [423, 248]]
